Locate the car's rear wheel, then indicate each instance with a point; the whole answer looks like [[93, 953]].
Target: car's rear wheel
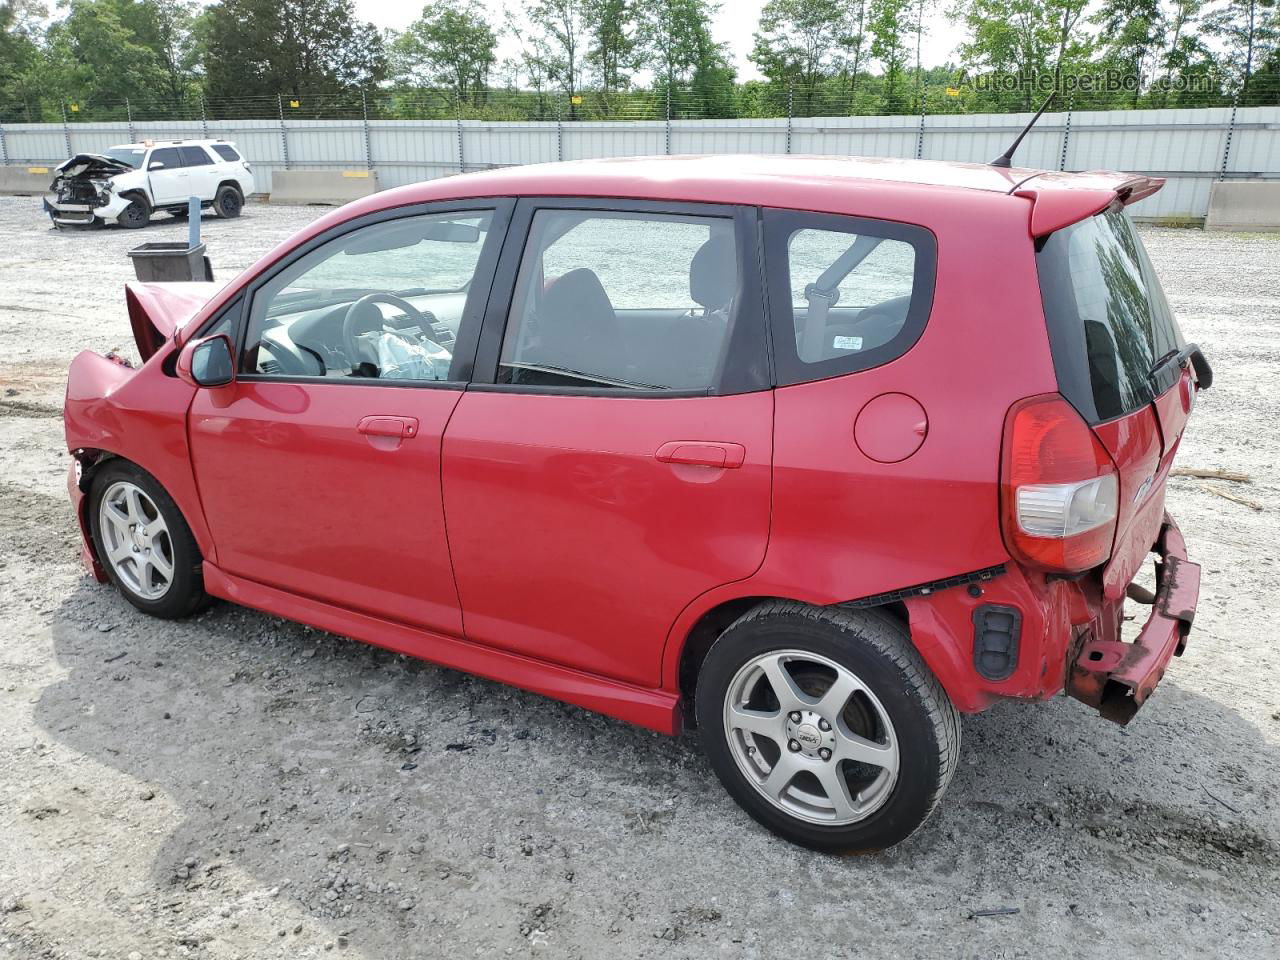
[[228, 202], [826, 726], [137, 214], [144, 542]]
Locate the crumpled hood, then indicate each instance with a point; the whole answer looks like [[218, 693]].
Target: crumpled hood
[[91, 164], [158, 310]]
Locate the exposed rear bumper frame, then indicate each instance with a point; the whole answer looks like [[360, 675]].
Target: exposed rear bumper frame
[[1117, 677]]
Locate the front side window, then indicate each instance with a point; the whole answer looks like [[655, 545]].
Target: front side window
[[1109, 323], [626, 301], [847, 293], [383, 302], [168, 156]]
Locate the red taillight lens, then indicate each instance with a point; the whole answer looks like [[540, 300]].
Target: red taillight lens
[[1059, 488]]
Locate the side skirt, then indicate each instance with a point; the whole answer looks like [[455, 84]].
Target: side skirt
[[647, 707]]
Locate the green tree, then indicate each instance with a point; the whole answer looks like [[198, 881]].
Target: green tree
[[561, 31], [1028, 38], [1250, 31], [797, 41], [890, 23], [675, 37], [613, 50], [270, 47], [20, 58], [1131, 32], [451, 45], [96, 56]]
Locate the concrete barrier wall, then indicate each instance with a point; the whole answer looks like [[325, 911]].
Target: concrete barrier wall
[[26, 181], [333, 187], [1244, 205]]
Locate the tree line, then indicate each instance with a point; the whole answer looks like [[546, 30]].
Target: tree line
[[629, 58]]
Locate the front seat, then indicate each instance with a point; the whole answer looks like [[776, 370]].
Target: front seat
[[577, 327], [713, 284]]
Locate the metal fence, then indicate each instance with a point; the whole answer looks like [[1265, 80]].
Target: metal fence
[[1191, 147]]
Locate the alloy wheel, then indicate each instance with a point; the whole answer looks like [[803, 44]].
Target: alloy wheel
[[811, 737], [136, 540]]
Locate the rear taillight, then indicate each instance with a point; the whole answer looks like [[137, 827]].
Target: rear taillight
[[1059, 488]]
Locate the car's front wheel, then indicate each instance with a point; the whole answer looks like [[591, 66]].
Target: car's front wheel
[[136, 215], [826, 726], [144, 542]]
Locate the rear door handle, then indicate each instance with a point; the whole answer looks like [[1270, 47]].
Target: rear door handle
[[703, 453], [402, 428]]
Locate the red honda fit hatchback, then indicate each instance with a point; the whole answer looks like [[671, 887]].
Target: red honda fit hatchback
[[815, 453]]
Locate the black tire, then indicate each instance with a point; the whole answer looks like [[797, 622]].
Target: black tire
[[229, 201], [877, 650], [136, 215], [185, 594]]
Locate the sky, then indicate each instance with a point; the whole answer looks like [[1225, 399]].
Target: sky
[[734, 24]]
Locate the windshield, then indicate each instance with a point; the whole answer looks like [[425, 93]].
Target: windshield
[[129, 156], [1109, 323]]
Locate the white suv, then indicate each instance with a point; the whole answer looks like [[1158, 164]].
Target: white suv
[[130, 182]]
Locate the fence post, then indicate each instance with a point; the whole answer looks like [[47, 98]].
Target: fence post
[[790, 103], [462, 157], [204, 119], [668, 115], [66, 130], [364, 110], [1066, 134], [1231, 129], [128, 112], [284, 133], [920, 131], [559, 132], [4, 147]]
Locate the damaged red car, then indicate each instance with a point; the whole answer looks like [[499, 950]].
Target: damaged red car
[[816, 454]]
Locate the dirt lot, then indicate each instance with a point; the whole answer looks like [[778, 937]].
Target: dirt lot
[[239, 786]]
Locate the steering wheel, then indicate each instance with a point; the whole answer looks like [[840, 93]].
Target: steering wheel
[[363, 308]]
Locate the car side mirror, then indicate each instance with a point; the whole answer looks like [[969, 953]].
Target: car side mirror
[[208, 362], [156, 165]]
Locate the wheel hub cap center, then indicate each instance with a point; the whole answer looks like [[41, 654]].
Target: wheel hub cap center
[[808, 733]]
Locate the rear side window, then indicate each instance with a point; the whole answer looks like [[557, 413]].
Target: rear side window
[[1109, 323], [226, 151], [194, 156], [847, 293]]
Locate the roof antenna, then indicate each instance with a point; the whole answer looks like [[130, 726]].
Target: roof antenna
[[1004, 160]]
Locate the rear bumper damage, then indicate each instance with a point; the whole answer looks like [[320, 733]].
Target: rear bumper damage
[[1118, 677]]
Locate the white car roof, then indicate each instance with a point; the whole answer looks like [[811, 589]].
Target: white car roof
[[170, 143]]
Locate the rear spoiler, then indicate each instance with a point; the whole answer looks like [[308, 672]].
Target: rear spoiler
[[1061, 199]]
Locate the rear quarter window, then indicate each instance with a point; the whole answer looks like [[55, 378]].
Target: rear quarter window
[[1109, 323], [846, 293], [226, 152]]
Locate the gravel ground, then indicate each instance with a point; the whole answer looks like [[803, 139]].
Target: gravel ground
[[239, 786]]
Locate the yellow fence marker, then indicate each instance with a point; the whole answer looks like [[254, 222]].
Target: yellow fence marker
[[356, 174], [37, 169]]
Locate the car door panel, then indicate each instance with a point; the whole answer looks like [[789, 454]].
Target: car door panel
[[583, 521], [356, 517], [169, 183], [326, 483], [559, 527]]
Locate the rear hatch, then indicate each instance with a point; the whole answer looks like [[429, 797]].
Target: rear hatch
[[1122, 363]]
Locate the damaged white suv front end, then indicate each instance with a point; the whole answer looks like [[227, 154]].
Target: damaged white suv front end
[[91, 187]]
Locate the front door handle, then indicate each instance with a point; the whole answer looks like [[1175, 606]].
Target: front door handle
[[402, 428], [703, 453]]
